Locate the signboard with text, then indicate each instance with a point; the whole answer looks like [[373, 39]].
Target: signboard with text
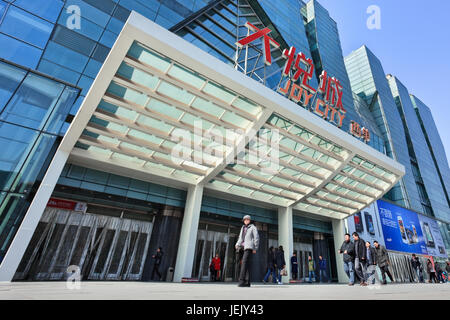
[[326, 100], [67, 205], [401, 229]]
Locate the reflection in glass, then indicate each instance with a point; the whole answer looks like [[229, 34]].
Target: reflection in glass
[[61, 110], [10, 78], [34, 166], [33, 102], [16, 142], [33, 109], [12, 210]]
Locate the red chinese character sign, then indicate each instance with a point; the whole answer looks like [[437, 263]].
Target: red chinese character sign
[[298, 70], [358, 132], [267, 41]]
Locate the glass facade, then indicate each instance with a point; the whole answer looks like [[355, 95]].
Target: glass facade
[[368, 80], [70, 39], [430, 190], [326, 50], [439, 159], [217, 29], [33, 109]]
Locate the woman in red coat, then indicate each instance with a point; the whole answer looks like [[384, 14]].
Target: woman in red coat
[[214, 267]]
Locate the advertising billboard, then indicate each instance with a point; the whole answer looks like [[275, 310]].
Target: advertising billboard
[[401, 229], [367, 224], [432, 237]]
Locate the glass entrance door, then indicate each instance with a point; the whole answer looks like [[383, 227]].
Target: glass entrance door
[[303, 250], [208, 244], [104, 248]]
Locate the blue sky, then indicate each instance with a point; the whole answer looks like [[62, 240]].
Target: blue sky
[[412, 44]]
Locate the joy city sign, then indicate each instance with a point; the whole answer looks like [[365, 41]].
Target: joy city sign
[[299, 70]]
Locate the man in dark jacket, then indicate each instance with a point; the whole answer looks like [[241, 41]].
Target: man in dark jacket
[[157, 257], [371, 263], [323, 269], [383, 261], [439, 272], [294, 266], [271, 266], [360, 258], [417, 267], [348, 251], [280, 262]]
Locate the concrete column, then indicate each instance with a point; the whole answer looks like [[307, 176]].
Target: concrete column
[[188, 237], [30, 221], [338, 235], [286, 237]]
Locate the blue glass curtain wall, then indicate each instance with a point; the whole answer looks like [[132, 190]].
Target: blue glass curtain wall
[[33, 109]]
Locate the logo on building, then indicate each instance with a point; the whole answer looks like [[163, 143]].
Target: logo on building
[[325, 101], [358, 132], [267, 41], [299, 71]]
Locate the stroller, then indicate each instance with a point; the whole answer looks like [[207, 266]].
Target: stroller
[[445, 276]]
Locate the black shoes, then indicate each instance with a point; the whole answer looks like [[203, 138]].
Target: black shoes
[[242, 285]]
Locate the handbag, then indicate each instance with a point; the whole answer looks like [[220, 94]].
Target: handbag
[[283, 272]]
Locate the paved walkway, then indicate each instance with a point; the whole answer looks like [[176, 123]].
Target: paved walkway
[[211, 291]]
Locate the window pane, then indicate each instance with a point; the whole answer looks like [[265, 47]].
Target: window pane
[[65, 57], [33, 102], [16, 143], [47, 9], [12, 211], [19, 52], [32, 29], [10, 77], [61, 110], [34, 167], [2, 8]]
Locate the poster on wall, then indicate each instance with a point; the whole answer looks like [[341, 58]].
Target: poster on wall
[[432, 237], [401, 229], [367, 224]]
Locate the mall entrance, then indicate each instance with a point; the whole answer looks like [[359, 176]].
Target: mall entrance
[[303, 248], [211, 239], [100, 247]]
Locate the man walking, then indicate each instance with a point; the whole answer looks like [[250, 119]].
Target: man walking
[[271, 266], [157, 257], [383, 261], [280, 263], [348, 251], [323, 269], [360, 258], [439, 272], [371, 263], [311, 269], [417, 267], [294, 266], [248, 242]]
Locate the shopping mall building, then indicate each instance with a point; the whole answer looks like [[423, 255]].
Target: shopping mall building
[[128, 125]]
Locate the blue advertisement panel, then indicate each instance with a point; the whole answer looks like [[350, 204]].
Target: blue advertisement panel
[[401, 229], [432, 237]]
